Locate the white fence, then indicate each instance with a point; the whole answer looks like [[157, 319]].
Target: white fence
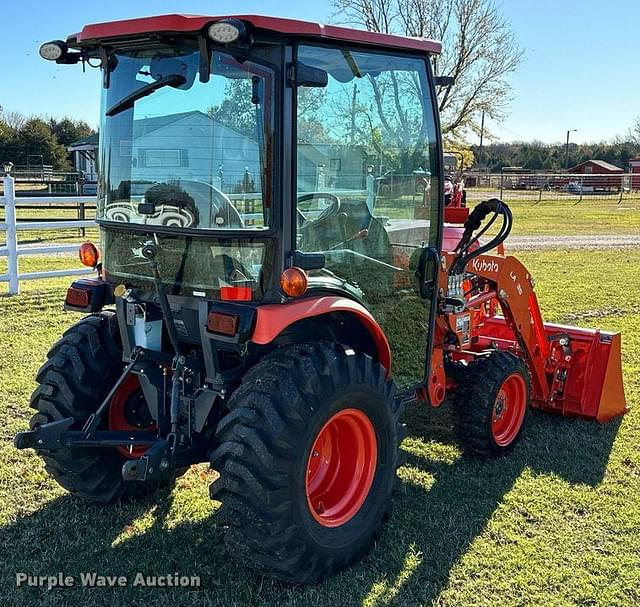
[[11, 227]]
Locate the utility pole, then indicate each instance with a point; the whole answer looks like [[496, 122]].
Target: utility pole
[[566, 163], [353, 113], [481, 139]]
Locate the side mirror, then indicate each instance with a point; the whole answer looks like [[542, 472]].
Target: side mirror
[[444, 81], [308, 76], [427, 272]]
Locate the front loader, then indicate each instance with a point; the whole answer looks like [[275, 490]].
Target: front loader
[[277, 276]]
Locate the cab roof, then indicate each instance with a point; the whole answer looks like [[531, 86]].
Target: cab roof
[[166, 24]]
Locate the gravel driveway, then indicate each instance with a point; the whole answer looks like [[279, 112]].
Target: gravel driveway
[[582, 241]]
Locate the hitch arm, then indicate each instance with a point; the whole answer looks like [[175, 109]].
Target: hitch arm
[[48, 436]]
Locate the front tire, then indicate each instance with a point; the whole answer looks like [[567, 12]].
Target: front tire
[[491, 403], [307, 458]]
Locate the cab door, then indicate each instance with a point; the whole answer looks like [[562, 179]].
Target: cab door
[[368, 190]]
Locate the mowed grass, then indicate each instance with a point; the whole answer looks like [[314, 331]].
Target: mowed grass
[[555, 523], [567, 217]]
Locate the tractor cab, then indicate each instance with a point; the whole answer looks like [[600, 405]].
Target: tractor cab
[[259, 154]]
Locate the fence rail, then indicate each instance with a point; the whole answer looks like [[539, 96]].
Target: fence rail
[[538, 186], [11, 227]]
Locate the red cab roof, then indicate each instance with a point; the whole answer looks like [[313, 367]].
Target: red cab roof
[[193, 23]]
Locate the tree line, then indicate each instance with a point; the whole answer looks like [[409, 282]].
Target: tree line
[[35, 140], [538, 156]]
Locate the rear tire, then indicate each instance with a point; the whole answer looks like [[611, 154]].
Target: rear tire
[[80, 370], [279, 516], [492, 401]]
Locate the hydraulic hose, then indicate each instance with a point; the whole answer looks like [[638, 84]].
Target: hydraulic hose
[[473, 223]]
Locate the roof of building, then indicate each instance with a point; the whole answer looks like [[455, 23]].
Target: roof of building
[[89, 142], [144, 126], [602, 164], [195, 23]]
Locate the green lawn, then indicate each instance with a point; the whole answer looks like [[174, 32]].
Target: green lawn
[[549, 216], [556, 523], [591, 216]]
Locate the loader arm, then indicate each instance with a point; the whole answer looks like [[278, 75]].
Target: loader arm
[[574, 371], [513, 288]]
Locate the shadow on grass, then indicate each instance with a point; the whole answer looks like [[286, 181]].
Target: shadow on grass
[[439, 521]]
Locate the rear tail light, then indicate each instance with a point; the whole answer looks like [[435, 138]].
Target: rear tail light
[[79, 298], [225, 324]]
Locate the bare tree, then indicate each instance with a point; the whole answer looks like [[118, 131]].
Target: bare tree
[[13, 120], [634, 132], [479, 51]]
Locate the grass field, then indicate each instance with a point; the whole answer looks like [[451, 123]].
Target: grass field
[[556, 523]]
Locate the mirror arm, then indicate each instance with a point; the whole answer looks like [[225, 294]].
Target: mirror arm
[[205, 59]]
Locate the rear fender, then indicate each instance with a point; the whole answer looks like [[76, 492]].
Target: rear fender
[[273, 319]]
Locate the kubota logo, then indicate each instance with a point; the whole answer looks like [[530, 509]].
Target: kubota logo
[[485, 265]]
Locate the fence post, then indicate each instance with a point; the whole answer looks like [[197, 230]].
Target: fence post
[[12, 235]]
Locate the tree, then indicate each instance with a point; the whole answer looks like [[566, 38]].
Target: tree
[[479, 51], [237, 111], [36, 139], [22, 137], [67, 130]]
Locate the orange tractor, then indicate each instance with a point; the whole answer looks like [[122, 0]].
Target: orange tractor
[[263, 304]]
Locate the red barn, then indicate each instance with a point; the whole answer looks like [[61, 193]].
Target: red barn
[[605, 176], [634, 169]]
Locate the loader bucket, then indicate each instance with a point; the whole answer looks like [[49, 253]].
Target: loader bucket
[[593, 388], [588, 384]]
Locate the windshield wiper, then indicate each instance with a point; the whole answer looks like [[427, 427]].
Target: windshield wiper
[[129, 100]]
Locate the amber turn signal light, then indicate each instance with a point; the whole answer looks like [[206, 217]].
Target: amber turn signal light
[[89, 255], [226, 324], [293, 282]]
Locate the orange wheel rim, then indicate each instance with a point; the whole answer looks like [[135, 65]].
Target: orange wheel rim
[[341, 467], [509, 409], [121, 411]]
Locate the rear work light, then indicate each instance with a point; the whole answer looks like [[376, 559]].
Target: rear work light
[[78, 297], [89, 254], [225, 324]]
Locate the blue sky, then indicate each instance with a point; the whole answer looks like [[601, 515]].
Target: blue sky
[[579, 70]]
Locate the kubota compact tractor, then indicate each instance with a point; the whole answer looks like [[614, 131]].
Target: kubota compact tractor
[[266, 302]]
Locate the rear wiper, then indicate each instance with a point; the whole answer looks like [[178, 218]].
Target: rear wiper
[[129, 100]]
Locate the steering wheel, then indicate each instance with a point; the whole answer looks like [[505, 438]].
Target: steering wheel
[[223, 214], [332, 209]]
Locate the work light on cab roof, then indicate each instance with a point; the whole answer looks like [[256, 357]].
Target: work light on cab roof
[[281, 271], [54, 50], [227, 31]]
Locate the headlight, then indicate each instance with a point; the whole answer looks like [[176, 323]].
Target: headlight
[[52, 51], [227, 32]]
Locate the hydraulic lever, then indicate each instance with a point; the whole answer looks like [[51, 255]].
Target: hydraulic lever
[[150, 253]]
